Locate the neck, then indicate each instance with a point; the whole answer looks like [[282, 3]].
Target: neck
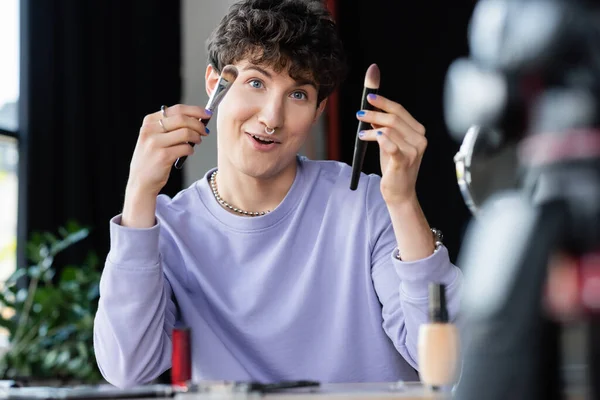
[[252, 194]]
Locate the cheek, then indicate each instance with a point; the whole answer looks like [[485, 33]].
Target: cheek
[[301, 121], [236, 107]]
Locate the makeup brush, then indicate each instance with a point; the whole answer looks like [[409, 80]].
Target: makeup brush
[[228, 76], [372, 79]]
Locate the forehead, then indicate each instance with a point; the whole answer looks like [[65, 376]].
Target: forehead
[[277, 70]]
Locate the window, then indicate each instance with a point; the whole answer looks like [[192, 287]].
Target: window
[[9, 96], [8, 205]]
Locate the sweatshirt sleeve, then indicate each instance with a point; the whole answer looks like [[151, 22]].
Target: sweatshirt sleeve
[[402, 287], [136, 313]]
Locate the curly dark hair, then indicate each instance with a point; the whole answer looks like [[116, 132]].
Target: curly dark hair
[[299, 36]]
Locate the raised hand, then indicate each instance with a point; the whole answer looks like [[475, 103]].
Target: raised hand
[[163, 138]]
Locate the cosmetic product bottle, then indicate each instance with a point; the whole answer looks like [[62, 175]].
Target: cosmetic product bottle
[[181, 357], [438, 344]]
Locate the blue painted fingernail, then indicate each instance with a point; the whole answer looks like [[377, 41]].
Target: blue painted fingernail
[[209, 112], [379, 133], [361, 113], [372, 96], [207, 130], [361, 134]]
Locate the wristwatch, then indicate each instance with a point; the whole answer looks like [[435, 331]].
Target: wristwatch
[[438, 238]]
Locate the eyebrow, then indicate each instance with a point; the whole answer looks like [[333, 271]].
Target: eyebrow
[[299, 82]]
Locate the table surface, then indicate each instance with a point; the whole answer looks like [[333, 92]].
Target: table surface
[[356, 391], [227, 390]]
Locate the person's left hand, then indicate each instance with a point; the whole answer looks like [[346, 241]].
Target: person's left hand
[[402, 143]]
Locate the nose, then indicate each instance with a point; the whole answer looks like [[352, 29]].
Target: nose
[[272, 112]]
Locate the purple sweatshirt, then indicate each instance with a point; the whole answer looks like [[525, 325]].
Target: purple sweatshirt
[[311, 290]]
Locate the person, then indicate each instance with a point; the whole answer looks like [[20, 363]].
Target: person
[[325, 283]]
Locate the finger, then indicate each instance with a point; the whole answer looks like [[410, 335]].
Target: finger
[[399, 138], [400, 152], [179, 109], [180, 150], [391, 107], [387, 146], [369, 135], [380, 119], [175, 122], [170, 154], [179, 136], [162, 125], [410, 136]]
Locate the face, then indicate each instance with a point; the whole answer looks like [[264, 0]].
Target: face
[[261, 98]]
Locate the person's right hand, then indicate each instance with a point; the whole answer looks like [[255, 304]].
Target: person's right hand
[[160, 145], [162, 140]]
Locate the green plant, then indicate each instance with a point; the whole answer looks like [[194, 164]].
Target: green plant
[[50, 318]]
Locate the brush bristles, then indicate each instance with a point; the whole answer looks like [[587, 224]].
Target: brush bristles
[[372, 77], [230, 73]]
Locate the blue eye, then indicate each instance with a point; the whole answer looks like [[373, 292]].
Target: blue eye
[[299, 95], [255, 83]]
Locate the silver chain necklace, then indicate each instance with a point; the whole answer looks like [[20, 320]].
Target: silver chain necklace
[[213, 185]]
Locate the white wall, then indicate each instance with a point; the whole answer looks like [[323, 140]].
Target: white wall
[[199, 19]]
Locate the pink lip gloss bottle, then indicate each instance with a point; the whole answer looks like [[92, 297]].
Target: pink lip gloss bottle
[[438, 344]]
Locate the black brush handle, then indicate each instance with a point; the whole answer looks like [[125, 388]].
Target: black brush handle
[[360, 146], [179, 162]]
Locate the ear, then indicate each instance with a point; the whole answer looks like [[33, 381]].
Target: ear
[[211, 78], [320, 109]]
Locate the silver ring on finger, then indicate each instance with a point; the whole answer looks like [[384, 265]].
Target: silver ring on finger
[[162, 125], [163, 110]]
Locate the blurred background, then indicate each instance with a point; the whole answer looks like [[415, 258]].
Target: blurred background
[[76, 80]]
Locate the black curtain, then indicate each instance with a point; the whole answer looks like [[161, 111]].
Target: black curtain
[[413, 43], [91, 70]]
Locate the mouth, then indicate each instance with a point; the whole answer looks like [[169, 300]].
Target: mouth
[[264, 140]]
